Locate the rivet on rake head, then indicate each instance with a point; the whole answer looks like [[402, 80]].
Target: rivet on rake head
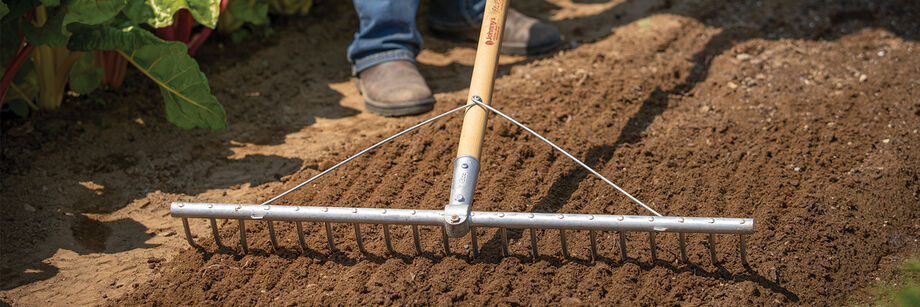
[[458, 197], [501, 214], [297, 208], [325, 209], [742, 221], [210, 206], [413, 212], [238, 207], [455, 219], [712, 221], [590, 217], [680, 220], [651, 219], [181, 205], [268, 207], [561, 216], [355, 210], [620, 218], [464, 166], [384, 211]]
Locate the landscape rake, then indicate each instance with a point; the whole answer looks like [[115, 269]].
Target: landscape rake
[[457, 219]]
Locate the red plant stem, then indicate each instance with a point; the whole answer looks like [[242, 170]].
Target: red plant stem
[[166, 33], [122, 66], [13, 67], [199, 38], [184, 24]]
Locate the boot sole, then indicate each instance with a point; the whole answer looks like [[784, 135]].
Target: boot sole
[[389, 110]]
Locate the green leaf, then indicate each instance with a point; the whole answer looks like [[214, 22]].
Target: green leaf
[[24, 85], [159, 13], [89, 38], [92, 12], [22, 91], [185, 89], [85, 76], [51, 33], [18, 8], [51, 3], [251, 11], [3, 9]]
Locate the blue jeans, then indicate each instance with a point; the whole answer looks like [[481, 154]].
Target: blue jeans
[[388, 31]]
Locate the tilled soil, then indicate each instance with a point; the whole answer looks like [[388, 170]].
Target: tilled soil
[[802, 116]]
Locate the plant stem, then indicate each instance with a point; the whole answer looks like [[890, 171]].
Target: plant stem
[[13, 67]]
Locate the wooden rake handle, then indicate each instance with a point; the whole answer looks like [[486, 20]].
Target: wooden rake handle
[[484, 68]]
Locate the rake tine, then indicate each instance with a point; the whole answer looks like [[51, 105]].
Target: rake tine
[[593, 237], [358, 238], [683, 247], [743, 252], [712, 248], [623, 245], [533, 243], [418, 246], [565, 248], [386, 238], [215, 233], [651, 243], [188, 232], [504, 232], [303, 243], [329, 237], [474, 242], [242, 226], [445, 241], [271, 234]]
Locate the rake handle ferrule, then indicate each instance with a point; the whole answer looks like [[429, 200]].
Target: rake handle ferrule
[[474, 121]]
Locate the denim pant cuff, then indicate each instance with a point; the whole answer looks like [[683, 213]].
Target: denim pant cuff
[[377, 58]]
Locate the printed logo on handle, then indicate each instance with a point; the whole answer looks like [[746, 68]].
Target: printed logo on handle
[[493, 30], [492, 34]]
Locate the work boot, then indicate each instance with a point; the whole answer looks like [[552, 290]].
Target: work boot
[[394, 88], [523, 35]]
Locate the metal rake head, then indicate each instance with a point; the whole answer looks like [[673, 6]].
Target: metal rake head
[[501, 220]]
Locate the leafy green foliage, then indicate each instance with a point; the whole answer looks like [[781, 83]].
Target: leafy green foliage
[[64, 35], [92, 12], [240, 12], [159, 13], [3, 9], [185, 89], [50, 34], [85, 76]]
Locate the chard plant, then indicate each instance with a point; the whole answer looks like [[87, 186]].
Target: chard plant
[[50, 44]]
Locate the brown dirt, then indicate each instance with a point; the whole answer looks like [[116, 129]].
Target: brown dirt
[[702, 108]]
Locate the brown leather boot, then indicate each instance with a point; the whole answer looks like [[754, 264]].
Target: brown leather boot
[[522, 35], [394, 88]]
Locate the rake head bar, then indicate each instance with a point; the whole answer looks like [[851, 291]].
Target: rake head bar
[[520, 220], [501, 220]]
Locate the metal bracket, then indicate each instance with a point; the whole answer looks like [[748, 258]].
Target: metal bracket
[[457, 211]]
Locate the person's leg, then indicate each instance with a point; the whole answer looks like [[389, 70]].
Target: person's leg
[[387, 32], [383, 57], [461, 19]]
